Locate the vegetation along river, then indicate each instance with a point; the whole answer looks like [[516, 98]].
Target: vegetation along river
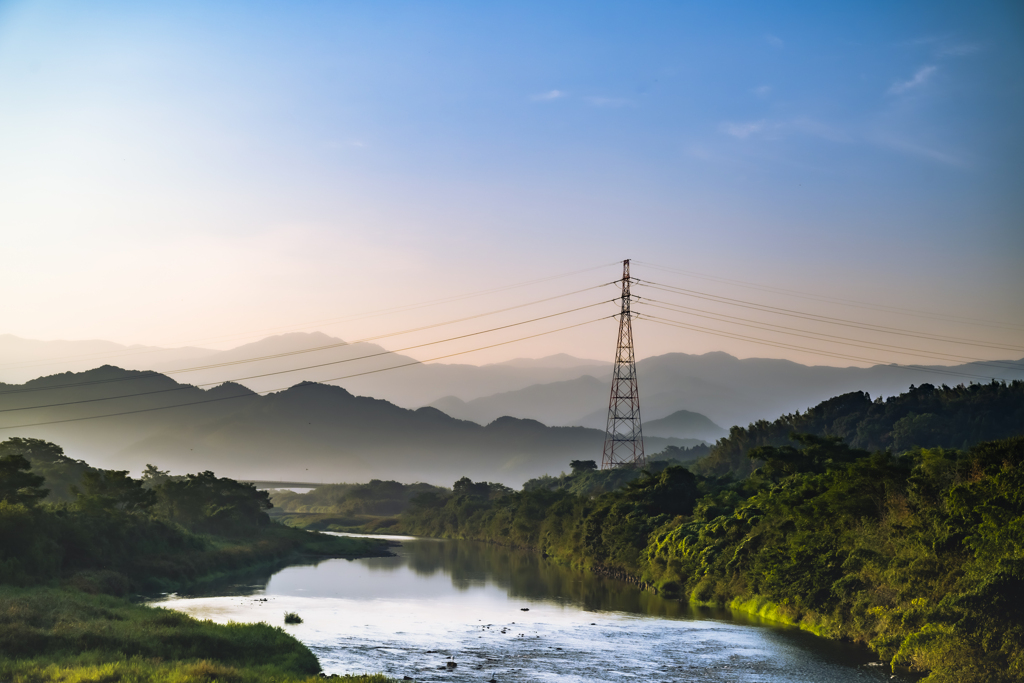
[[509, 615]]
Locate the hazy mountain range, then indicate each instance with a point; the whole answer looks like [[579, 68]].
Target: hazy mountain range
[[557, 390], [309, 432]]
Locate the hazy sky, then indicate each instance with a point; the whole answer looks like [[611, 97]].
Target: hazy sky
[[212, 172]]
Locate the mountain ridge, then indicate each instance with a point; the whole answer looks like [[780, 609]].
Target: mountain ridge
[[726, 389], [309, 430]]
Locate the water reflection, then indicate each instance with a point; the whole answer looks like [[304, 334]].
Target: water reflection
[[517, 617], [526, 575]]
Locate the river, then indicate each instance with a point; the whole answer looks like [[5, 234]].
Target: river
[[509, 616]]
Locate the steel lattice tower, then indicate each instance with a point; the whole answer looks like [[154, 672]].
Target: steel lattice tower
[[624, 438]]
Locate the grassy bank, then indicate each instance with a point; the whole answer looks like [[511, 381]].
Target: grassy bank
[[82, 626], [76, 541], [62, 634]]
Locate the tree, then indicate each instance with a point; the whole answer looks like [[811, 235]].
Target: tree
[[17, 483], [581, 466], [153, 477], [817, 454], [59, 472], [112, 490], [205, 503], [481, 489]]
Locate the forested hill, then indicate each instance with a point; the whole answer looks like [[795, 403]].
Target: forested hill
[[125, 419], [925, 416]]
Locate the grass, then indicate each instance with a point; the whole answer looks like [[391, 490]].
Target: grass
[[62, 634], [292, 618], [138, 670]]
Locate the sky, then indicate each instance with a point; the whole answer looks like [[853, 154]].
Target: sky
[[208, 173]]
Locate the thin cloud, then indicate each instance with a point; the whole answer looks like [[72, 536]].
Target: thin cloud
[[762, 90], [548, 96], [774, 41], [961, 50], [921, 151], [742, 131], [919, 79], [608, 101], [776, 129]]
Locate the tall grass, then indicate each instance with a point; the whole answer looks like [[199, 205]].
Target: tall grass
[[61, 634]]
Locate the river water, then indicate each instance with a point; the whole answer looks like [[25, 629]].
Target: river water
[[508, 615]]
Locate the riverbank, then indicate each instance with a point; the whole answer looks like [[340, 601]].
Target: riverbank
[[86, 627], [912, 555], [77, 544], [509, 615], [50, 633]]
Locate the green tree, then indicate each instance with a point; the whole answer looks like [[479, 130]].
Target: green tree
[[153, 477], [581, 466], [17, 483], [48, 460], [205, 503], [113, 490]]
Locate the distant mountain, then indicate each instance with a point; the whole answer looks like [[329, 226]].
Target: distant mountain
[[557, 403], [558, 360], [25, 359], [728, 390], [283, 360], [684, 424], [309, 432], [556, 390]]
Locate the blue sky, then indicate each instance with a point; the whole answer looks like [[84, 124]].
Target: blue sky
[[198, 170]]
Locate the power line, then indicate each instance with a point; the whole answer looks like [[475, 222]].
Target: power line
[[332, 321], [792, 347], [336, 379], [384, 336], [818, 318], [843, 302], [310, 367], [820, 336], [300, 351]]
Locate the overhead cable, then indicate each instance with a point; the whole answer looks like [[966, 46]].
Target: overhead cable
[[336, 379], [837, 300], [819, 352], [308, 367], [820, 336], [301, 351], [819, 318], [332, 321]]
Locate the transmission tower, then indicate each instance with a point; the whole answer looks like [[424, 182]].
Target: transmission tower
[[624, 437]]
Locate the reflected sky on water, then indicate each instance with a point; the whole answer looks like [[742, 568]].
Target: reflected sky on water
[[511, 615]]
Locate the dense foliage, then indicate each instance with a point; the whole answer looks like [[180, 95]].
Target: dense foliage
[[378, 498], [934, 417], [66, 565], [920, 555], [346, 507], [154, 532], [585, 479]]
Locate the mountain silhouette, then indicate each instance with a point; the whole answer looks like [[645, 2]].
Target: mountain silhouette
[[685, 424], [310, 431], [558, 390]]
